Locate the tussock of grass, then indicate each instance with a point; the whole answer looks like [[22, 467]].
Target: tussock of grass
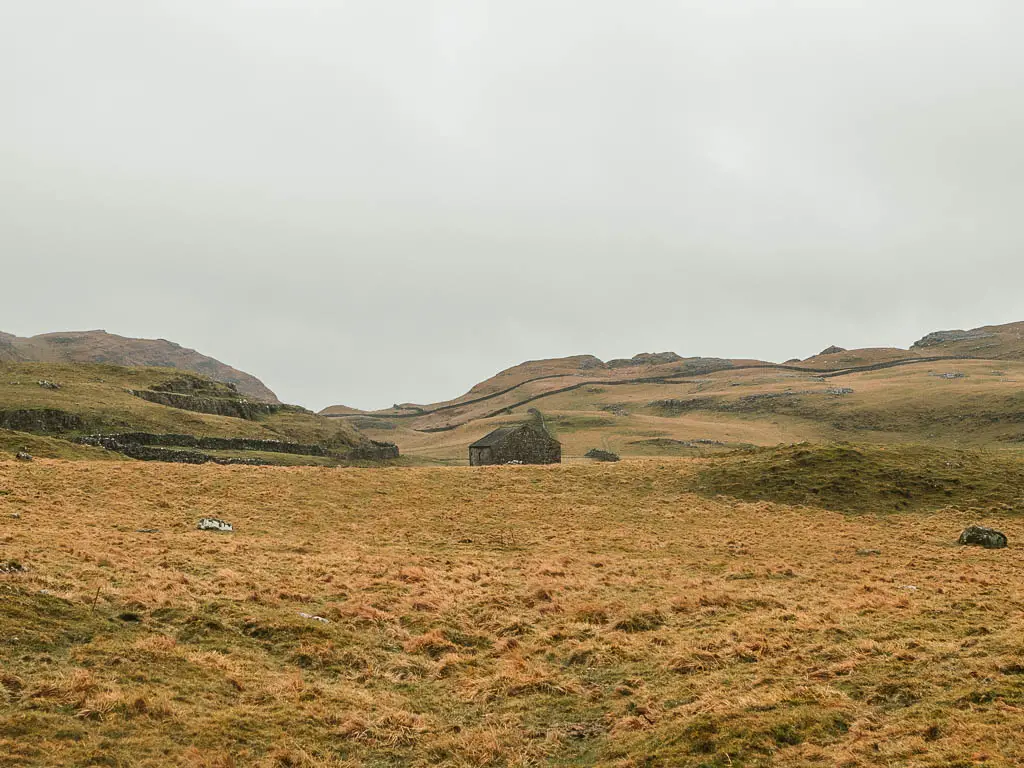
[[860, 478]]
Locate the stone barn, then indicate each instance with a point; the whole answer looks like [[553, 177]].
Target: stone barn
[[526, 443]]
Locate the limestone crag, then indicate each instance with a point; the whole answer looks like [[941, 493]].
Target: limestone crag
[[599, 455], [945, 337], [645, 358], [40, 420], [376, 451], [217, 406]]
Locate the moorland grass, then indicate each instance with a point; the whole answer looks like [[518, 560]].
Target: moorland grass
[[567, 615]]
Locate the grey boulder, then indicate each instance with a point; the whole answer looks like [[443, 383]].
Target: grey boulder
[[989, 538]]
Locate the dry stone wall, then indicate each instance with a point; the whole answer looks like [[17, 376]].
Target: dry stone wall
[[204, 443]]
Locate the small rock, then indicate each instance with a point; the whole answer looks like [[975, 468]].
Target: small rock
[[314, 618], [598, 455], [48, 385], [980, 536], [869, 551], [23, 456], [213, 524], [147, 530], [15, 516], [909, 588]]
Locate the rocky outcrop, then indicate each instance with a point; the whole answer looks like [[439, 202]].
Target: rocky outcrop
[[197, 385], [589, 363], [217, 406], [40, 420], [202, 395], [646, 358], [673, 406], [665, 442], [598, 455], [945, 337], [376, 451], [983, 537], [833, 350]]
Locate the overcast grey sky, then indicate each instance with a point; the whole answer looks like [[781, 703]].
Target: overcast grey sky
[[371, 201]]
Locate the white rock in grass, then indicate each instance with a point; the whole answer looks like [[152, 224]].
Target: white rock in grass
[[213, 524]]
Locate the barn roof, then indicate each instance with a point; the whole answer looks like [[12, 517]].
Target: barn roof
[[495, 437]]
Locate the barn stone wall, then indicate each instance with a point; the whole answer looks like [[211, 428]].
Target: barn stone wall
[[526, 445]]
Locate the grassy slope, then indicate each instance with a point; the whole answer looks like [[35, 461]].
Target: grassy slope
[[103, 347], [568, 615], [97, 393], [857, 357], [1000, 342], [534, 378]]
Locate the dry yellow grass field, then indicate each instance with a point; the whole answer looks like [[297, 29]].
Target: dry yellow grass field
[[566, 615]]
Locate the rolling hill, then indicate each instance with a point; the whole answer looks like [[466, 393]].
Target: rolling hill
[[103, 347], [950, 387]]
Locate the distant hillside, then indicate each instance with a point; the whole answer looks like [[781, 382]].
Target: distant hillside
[[541, 378], [950, 386], [103, 347]]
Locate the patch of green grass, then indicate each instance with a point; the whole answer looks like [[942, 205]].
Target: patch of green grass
[[861, 478]]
